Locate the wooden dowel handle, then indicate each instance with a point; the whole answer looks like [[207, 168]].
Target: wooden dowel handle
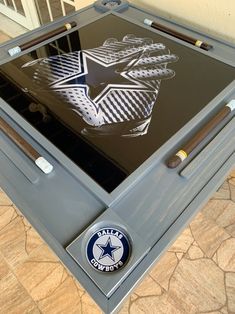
[[179, 35], [28, 149], [19, 140], [183, 153], [206, 129], [46, 36], [15, 50]]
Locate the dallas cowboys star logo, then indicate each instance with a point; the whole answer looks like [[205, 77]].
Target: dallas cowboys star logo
[[113, 87], [108, 249], [97, 78]]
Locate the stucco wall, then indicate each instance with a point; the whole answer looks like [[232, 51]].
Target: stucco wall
[[83, 3], [216, 17]]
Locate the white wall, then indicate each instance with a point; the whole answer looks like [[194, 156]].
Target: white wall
[[216, 17], [79, 4]]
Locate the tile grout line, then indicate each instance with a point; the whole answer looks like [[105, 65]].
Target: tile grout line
[[19, 282]]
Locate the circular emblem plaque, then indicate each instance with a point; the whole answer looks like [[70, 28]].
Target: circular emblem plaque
[[108, 250]]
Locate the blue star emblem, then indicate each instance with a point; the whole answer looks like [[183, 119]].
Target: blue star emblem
[[108, 249]]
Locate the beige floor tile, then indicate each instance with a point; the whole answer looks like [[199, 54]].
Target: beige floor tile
[[15, 244], [227, 216], [41, 273], [230, 287], [4, 199], [199, 284], [13, 297], [25, 221], [80, 289], [164, 269], [226, 255], [179, 255], [64, 299], [88, 305], [224, 310], [148, 287], [154, 305], [195, 252], [183, 242], [223, 192], [33, 240], [126, 307], [12, 242], [214, 312], [232, 188], [208, 234], [232, 173], [7, 214], [231, 230], [223, 213], [214, 208], [4, 269]]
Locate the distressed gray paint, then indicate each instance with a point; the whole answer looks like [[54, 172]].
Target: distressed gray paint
[[154, 202]]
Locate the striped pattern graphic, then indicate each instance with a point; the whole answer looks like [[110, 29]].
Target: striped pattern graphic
[[123, 108]]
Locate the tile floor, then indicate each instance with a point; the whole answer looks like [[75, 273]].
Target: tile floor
[[196, 275]]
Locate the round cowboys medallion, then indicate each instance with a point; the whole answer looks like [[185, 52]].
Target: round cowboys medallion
[[108, 249]]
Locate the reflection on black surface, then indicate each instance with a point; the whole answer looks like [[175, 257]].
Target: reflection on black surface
[[101, 99], [88, 158], [113, 87]]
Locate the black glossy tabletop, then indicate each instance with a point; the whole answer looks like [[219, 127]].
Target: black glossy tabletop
[[110, 94]]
